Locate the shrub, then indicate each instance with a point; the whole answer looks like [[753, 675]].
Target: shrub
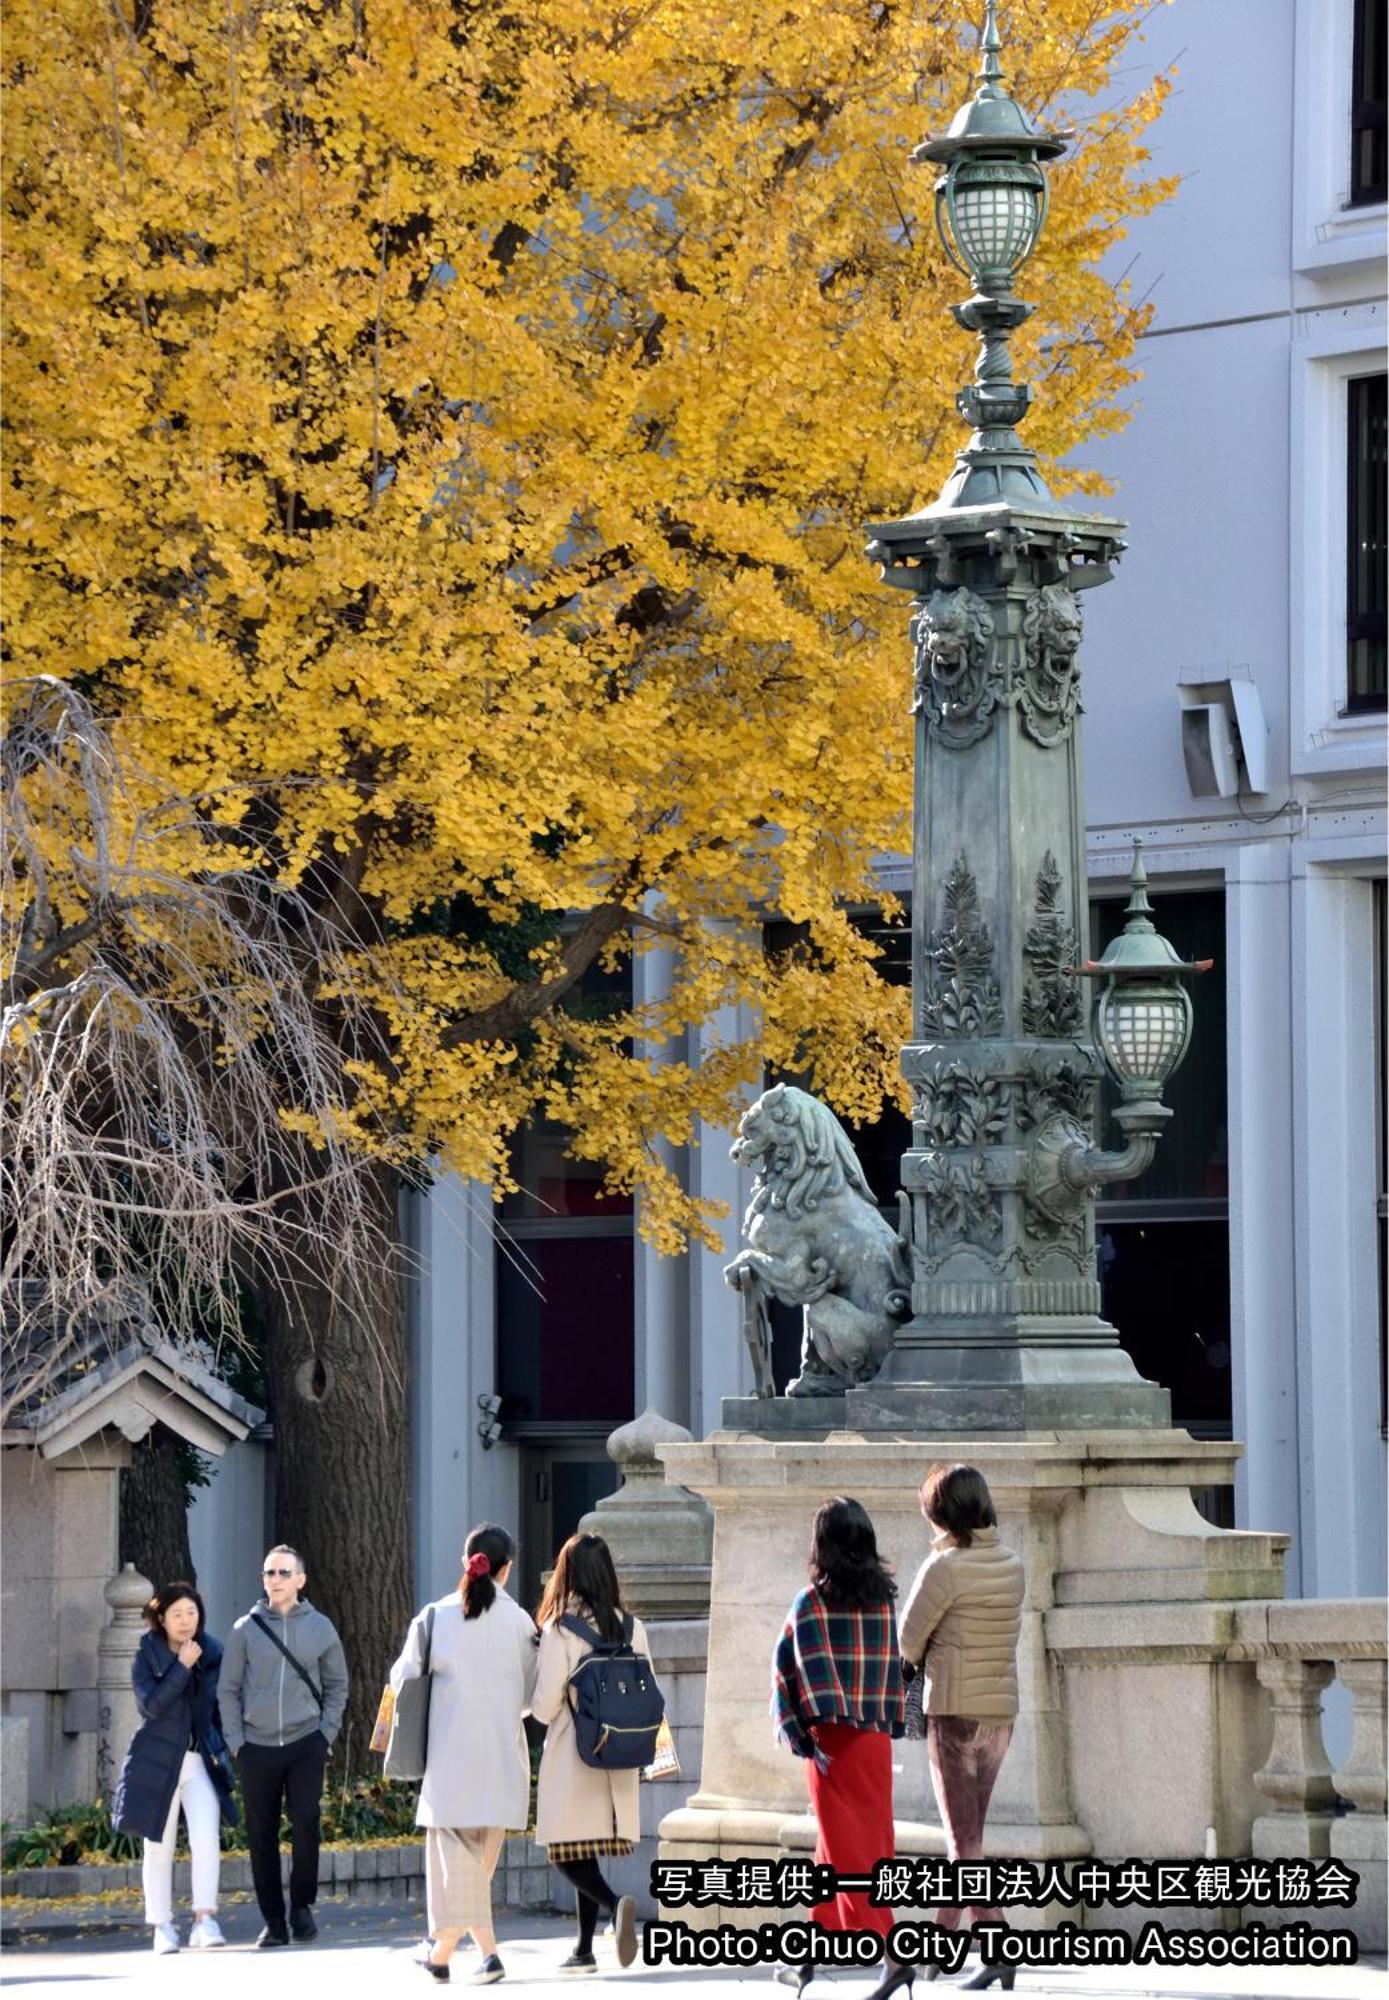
[[68, 1834]]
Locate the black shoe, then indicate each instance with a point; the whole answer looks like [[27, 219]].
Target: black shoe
[[422, 1957], [579, 1961], [489, 1972], [270, 1938], [1002, 1976], [895, 1977], [798, 1976], [303, 1924]]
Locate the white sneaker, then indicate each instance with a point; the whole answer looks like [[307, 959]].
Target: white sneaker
[[205, 1933], [164, 1940]]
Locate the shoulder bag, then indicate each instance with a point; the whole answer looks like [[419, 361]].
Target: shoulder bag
[[407, 1744]]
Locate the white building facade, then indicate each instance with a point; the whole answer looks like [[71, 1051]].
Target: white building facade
[[1254, 459]]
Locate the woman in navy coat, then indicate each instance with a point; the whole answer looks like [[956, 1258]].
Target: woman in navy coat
[[177, 1758]]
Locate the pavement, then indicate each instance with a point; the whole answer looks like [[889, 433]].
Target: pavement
[[364, 1953]]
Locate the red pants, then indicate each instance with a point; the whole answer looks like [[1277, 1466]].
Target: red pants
[[965, 1756], [853, 1815]]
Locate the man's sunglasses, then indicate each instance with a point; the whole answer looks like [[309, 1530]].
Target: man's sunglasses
[[278, 1572]]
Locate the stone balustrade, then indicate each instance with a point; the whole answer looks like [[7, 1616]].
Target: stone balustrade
[[1313, 1809], [1235, 1691]]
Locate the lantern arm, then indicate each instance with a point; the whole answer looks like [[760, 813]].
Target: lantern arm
[[1064, 1165], [1085, 1165]]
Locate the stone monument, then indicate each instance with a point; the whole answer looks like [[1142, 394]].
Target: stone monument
[[977, 1334]]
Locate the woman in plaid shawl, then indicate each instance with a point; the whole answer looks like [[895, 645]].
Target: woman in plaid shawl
[[837, 1702]]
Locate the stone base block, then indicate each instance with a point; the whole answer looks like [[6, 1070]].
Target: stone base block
[[970, 1408], [1018, 1375], [783, 1416]]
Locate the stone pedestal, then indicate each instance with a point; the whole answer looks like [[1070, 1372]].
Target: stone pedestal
[[1100, 1519], [661, 1537], [14, 1770], [127, 1594]]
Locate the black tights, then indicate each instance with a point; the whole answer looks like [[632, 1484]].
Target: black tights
[[593, 1895]]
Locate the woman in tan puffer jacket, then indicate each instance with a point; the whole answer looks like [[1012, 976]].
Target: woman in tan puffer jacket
[[960, 1631]]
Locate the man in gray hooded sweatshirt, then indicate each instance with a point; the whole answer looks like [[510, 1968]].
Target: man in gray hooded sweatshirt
[[283, 1692]]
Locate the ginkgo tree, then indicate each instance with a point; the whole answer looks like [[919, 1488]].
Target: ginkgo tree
[[439, 437]]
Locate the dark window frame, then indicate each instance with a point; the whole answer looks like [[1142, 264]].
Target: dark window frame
[[1367, 448], [1369, 179], [1143, 1212], [524, 1224]]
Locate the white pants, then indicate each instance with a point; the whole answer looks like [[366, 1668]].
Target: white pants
[[197, 1795]]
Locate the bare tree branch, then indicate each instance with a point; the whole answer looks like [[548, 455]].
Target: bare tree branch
[[177, 1109]]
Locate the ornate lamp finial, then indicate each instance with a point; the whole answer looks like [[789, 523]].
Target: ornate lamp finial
[[991, 202], [1138, 909], [990, 69]]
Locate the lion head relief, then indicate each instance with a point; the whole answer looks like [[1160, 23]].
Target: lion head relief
[[953, 633], [1049, 684]]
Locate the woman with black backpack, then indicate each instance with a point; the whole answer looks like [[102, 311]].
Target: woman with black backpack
[[585, 1810]]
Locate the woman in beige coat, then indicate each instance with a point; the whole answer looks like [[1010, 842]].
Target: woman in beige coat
[[583, 1812], [481, 1649], [960, 1630]]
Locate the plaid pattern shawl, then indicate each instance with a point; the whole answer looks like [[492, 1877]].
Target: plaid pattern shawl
[[835, 1666]]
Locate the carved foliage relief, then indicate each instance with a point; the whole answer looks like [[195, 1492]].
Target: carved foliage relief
[[1054, 1087], [964, 1000], [962, 1107], [1052, 1003], [962, 1203]]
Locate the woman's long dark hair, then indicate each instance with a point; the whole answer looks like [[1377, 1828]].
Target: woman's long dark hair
[[479, 1592], [584, 1569], [845, 1566], [170, 1595]]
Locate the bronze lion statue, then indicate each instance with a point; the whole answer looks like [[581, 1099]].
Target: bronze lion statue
[[816, 1239]]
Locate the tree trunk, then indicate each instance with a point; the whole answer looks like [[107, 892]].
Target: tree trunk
[[154, 1510], [339, 1388]]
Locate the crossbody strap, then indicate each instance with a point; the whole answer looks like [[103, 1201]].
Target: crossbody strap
[[302, 1671]]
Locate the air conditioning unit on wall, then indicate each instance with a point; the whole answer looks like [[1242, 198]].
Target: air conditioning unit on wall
[[1223, 728]]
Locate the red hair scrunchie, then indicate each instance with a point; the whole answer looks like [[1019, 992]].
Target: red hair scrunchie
[[478, 1564]]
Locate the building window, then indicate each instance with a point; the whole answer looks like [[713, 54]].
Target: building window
[[1369, 177], [1367, 429], [565, 1279], [1164, 1239]]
